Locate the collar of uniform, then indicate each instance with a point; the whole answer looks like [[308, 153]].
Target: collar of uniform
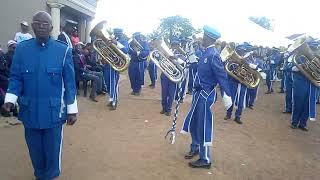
[[210, 46], [44, 44]]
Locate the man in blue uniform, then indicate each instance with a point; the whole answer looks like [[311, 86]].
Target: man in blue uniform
[[137, 63], [42, 81], [237, 89], [303, 96], [168, 89], [199, 121], [152, 69], [114, 75], [287, 74], [252, 93]]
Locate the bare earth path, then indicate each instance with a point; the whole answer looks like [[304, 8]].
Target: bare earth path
[[128, 144]]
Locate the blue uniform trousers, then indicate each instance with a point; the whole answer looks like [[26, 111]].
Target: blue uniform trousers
[[200, 115], [269, 77], [168, 91], [152, 68], [114, 87], [136, 75], [288, 98], [300, 91], [106, 74], [251, 96], [282, 86], [192, 74], [238, 95], [45, 146]]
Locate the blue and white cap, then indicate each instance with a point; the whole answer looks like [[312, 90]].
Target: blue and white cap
[[211, 32]]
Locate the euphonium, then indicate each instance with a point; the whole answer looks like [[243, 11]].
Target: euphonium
[[161, 57], [237, 67], [109, 52], [135, 45], [306, 60]]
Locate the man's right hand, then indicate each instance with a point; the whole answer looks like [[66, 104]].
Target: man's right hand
[[5, 109]]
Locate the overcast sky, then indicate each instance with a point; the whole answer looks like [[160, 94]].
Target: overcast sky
[[290, 16]]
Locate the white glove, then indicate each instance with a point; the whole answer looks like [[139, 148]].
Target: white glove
[[227, 101], [252, 66], [138, 53]]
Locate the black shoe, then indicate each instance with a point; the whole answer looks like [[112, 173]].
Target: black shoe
[[281, 91], [303, 128], [191, 154], [238, 120], [152, 86], [189, 92], [293, 126], [200, 164], [92, 98], [113, 106], [162, 112], [168, 113], [227, 117], [250, 107], [101, 93], [286, 112], [5, 113]]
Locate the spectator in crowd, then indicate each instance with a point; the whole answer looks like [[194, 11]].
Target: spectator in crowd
[[24, 34], [82, 72], [67, 32], [11, 49], [75, 36]]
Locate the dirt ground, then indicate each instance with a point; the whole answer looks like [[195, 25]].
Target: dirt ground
[[129, 144]]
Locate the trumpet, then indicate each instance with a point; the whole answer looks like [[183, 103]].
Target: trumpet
[[239, 69], [162, 58], [306, 60], [108, 51]]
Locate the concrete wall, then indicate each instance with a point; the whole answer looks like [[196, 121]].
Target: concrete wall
[[13, 12]]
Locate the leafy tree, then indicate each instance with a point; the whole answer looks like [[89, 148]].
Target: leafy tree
[[263, 22], [174, 25]]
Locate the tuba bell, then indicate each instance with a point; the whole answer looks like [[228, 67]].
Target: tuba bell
[[135, 45], [109, 52], [161, 57], [237, 67], [306, 60]]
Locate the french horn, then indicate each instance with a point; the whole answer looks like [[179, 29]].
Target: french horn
[[162, 58], [109, 52], [306, 60], [238, 68]]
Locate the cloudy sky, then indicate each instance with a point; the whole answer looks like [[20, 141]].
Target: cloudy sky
[[294, 16]]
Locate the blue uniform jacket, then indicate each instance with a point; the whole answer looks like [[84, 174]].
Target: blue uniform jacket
[[211, 72], [143, 55], [43, 80]]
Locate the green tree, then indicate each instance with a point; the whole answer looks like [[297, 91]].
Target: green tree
[[263, 22], [173, 25]]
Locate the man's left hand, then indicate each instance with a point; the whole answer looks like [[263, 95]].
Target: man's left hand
[[71, 120]]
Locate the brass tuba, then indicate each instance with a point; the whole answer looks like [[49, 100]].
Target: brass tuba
[[161, 57], [306, 60], [109, 52], [135, 45], [237, 67]]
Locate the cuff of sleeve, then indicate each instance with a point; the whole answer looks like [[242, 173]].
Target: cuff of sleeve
[[73, 108], [119, 45], [12, 98], [295, 69]]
